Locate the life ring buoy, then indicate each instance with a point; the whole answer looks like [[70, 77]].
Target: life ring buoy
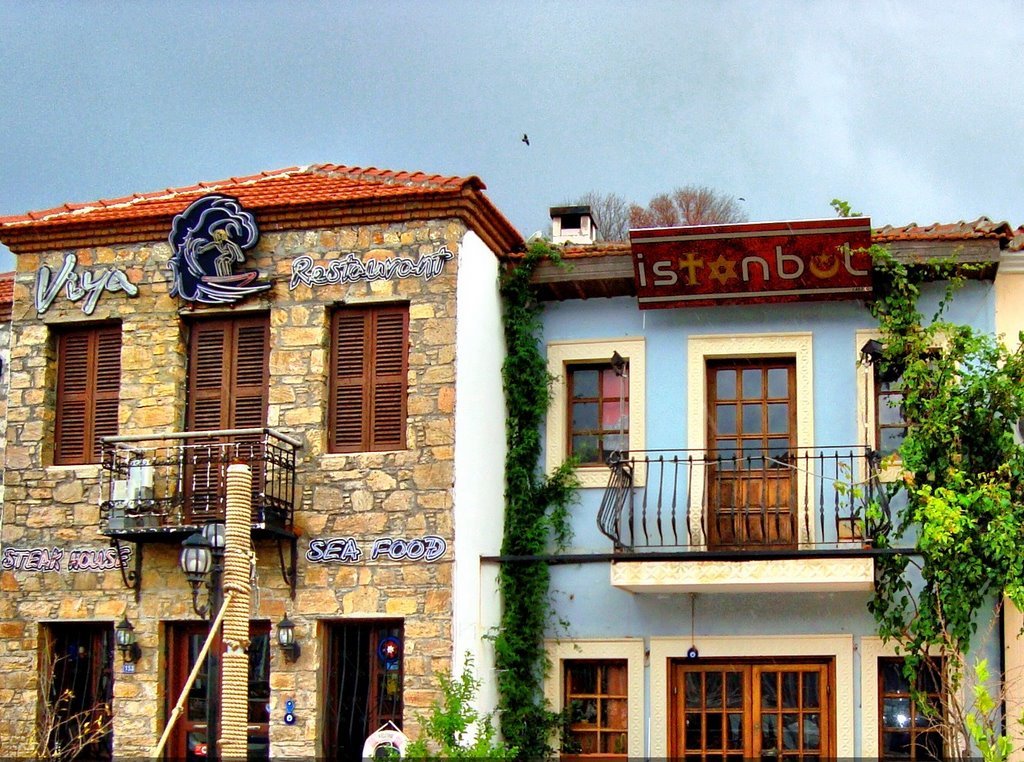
[[391, 737]]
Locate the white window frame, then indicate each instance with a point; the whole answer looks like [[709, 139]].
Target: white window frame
[[630, 649], [562, 354]]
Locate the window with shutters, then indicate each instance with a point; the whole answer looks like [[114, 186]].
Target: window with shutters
[[88, 386], [228, 382], [369, 362]]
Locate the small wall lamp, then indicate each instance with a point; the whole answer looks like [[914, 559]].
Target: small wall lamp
[[286, 639], [124, 634]]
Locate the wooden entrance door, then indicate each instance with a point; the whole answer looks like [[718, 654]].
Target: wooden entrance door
[[752, 453], [189, 737], [736, 711]]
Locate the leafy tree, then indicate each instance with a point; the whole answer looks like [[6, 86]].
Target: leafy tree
[[688, 205], [962, 504]]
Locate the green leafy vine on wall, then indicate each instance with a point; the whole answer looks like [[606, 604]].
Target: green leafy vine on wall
[[536, 516], [962, 471]]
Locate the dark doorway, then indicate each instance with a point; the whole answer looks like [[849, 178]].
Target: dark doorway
[[77, 673], [188, 739], [363, 684]]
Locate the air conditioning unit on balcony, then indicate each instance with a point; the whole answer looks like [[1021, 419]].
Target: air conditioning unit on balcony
[[127, 495]]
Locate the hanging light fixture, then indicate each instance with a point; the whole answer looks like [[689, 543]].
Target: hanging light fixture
[[286, 639], [124, 635]]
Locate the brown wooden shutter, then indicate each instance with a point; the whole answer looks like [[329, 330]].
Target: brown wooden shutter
[[388, 381], [88, 390], [228, 384], [368, 379]]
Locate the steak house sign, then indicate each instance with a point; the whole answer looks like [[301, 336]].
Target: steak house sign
[[752, 263]]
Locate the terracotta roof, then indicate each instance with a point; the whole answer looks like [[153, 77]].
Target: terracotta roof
[[982, 227], [6, 296], [291, 197]]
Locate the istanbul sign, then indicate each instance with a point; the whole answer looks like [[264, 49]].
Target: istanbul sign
[[752, 263]]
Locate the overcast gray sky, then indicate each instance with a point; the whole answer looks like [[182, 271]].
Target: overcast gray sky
[[912, 112]]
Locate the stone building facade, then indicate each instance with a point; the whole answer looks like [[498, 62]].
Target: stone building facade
[[367, 559]]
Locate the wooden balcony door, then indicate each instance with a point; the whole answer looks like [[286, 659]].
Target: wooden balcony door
[[731, 712], [751, 452], [228, 381]]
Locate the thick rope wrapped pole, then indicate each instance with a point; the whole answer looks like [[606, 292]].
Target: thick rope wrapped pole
[[237, 560]]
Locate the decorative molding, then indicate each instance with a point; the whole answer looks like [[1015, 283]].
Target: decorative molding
[[780, 576], [726, 346], [562, 353], [838, 647], [630, 649]]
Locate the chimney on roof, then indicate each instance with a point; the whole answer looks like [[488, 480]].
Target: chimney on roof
[[573, 224]]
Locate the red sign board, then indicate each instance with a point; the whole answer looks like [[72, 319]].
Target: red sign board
[[752, 263]]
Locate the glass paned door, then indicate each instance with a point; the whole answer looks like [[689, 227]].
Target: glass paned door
[[752, 453], [735, 711]]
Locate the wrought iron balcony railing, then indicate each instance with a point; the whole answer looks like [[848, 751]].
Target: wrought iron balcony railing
[[160, 483], [692, 500]]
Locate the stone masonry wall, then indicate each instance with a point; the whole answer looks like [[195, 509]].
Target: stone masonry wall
[[365, 496]]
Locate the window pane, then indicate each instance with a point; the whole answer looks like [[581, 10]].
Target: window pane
[[734, 690], [790, 690], [613, 385], [752, 419], [694, 700], [778, 418], [891, 439], [584, 416], [614, 680], [615, 415], [713, 690], [725, 384], [812, 732], [752, 383], [896, 713], [790, 731], [582, 678], [693, 734], [769, 691], [892, 676], [584, 383], [811, 690], [715, 736], [726, 419], [614, 714], [890, 410], [585, 449], [614, 743], [778, 383], [735, 730]]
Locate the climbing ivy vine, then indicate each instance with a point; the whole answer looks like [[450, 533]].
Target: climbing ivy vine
[[962, 481], [536, 517]]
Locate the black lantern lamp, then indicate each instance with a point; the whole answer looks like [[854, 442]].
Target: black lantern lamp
[[196, 560], [286, 639], [124, 634]]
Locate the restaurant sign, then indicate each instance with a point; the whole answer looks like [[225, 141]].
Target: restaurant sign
[[752, 263]]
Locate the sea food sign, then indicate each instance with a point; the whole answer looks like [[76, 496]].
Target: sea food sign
[[209, 240], [752, 263]]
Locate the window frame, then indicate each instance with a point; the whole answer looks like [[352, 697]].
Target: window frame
[[601, 399], [94, 394], [563, 354], [368, 382], [913, 731], [629, 649]]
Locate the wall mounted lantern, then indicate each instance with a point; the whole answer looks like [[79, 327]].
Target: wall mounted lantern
[[286, 639], [124, 634]]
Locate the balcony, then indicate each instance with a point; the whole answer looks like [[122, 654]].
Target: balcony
[[159, 487], [792, 521]]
